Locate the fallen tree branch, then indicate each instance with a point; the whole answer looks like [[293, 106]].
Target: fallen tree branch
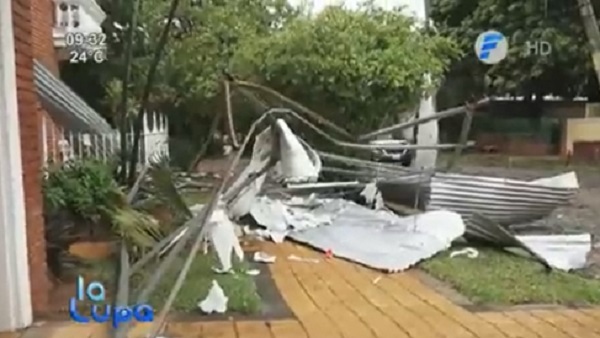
[[294, 104], [437, 116], [229, 115]]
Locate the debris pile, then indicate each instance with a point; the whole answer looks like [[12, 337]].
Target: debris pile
[[364, 230]]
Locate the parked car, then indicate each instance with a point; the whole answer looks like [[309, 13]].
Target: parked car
[[402, 156]]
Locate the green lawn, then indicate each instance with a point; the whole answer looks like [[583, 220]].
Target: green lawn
[[239, 287], [500, 278]]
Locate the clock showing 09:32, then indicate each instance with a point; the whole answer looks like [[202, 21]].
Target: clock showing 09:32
[[85, 39]]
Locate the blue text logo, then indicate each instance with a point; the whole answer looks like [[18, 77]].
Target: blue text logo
[[491, 47], [103, 313]]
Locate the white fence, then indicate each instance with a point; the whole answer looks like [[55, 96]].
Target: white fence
[[65, 145]]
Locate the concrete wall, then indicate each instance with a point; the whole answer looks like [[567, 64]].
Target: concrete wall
[[581, 130]]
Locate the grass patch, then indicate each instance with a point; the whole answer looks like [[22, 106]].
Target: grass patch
[[196, 197], [239, 287], [501, 278]]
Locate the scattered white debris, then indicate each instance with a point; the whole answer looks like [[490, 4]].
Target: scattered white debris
[[215, 301], [369, 192], [196, 208], [302, 259], [263, 257], [253, 272], [376, 280], [372, 196], [224, 239], [469, 252], [264, 234], [221, 271], [277, 237]]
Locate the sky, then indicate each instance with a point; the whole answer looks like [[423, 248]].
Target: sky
[[413, 7]]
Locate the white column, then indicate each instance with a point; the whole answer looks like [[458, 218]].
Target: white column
[[44, 140], [15, 294], [427, 135]]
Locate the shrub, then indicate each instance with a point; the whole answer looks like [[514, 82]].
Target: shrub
[[83, 188], [82, 200]]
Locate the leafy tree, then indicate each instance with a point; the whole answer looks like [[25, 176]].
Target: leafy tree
[[354, 66], [567, 71]]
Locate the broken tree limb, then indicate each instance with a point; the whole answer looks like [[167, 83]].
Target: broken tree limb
[[294, 104], [261, 104], [229, 115], [590, 24], [363, 146], [437, 116]]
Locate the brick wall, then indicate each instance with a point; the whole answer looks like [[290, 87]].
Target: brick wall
[[29, 120]]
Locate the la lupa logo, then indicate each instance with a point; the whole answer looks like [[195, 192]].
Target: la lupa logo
[[102, 313]]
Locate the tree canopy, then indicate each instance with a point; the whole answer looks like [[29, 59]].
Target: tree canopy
[[357, 66], [566, 72]]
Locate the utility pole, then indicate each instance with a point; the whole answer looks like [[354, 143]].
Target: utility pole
[[592, 31]]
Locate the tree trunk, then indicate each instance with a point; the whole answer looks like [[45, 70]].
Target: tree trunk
[[592, 31], [138, 122], [123, 107]]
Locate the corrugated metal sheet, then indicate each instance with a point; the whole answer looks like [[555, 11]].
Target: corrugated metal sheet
[[563, 252], [505, 201], [65, 105]]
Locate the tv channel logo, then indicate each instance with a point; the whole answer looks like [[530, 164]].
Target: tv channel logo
[[96, 293], [491, 47]]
